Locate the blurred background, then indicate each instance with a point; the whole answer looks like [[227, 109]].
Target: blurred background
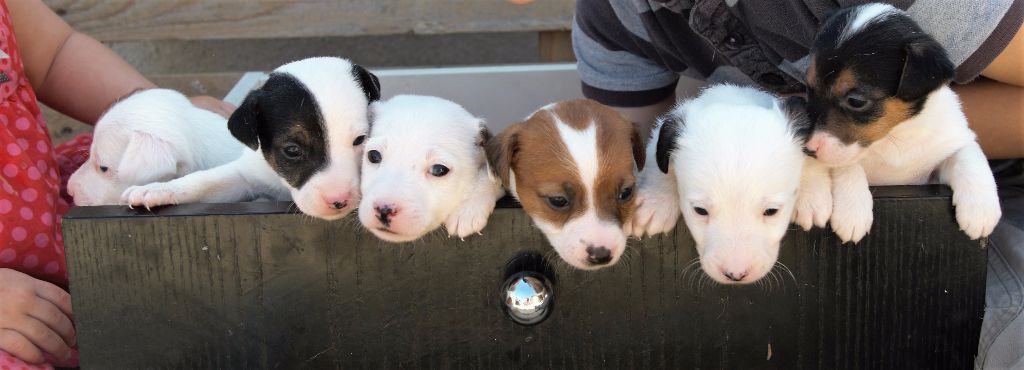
[[202, 47]]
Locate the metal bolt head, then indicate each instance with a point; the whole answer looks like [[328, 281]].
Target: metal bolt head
[[527, 296]]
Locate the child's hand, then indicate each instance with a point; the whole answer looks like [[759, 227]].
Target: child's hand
[[213, 104], [35, 318]]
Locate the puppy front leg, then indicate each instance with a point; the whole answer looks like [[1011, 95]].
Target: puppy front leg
[[974, 190], [225, 183], [657, 204], [814, 200], [472, 215], [851, 203]]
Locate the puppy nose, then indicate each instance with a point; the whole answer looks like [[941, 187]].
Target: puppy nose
[[385, 212], [734, 276], [338, 201], [599, 255]]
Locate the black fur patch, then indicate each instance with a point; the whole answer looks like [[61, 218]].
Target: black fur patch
[[889, 57], [671, 128], [796, 113], [368, 81], [283, 119]]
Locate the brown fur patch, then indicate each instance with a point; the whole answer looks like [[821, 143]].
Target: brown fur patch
[[812, 72], [534, 151], [845, 81], [894, 112]]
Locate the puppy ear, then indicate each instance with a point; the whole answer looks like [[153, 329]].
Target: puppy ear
[[925, 68], [795, 108], [668, 134], [147, 159], [500, 151], [245, 121], [368, 81], [482, 139], [639, 149]]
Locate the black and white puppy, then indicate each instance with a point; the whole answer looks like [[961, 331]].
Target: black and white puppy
[[304, 129], [884, 115]]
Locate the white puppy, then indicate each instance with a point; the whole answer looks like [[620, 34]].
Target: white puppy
[[731, 160], [425, 166], [304, 129], [153, 135]]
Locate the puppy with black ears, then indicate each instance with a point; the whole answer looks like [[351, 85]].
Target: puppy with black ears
[[884, 114], [731, 161], [424, 167], [304, 129]]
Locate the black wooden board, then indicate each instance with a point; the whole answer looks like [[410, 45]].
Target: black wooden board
[[256, 286]]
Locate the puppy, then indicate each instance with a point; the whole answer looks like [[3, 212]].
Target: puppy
[[153, 135], [304, 131], [571, 166], [884, 115], [731, 161], [425, 166]]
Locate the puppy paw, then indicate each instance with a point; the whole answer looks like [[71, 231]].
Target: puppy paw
[[852, 214], [655, 214], [469, 219], [151, 195], [977, 212], [813, 207]]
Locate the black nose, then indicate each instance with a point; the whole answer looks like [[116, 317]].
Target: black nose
[[339, 205], [810, 153], [599, 255], [735, 277], [384, 215]]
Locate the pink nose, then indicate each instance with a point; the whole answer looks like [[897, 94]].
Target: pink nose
[[814, 144], [734, 275], [337, 201]]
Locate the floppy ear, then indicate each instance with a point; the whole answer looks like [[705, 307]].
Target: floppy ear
[[245, 121], [147, 159], [482, 139], [795, 108], [671, 126], [500, 151], [639, 150], [925, 68], [368, 81]]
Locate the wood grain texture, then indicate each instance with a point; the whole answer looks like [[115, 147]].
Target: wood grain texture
[[555, 46], [119, 20], [252, 286]]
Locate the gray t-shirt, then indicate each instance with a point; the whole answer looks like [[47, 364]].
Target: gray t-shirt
[[631, 52]]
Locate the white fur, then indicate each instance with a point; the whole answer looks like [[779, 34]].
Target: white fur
[[572, 239], [937, 139], [865, 14], [153, 135], [413, 133], [330, 81], [736, 157]]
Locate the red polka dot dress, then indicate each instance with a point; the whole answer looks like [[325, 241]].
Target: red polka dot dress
[[31, 179]]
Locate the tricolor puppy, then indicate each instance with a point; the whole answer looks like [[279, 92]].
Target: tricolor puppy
[[731, 160], [884, 114], [424, 167], [152, 135], [304, 129], [571, 166]]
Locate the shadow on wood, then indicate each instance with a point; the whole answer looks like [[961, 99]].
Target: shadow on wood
[[253, 285]]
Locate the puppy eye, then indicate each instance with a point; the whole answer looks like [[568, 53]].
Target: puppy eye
[[700, 211], [373, 156], [292, 151], [438, 170], [625, 194], [104, 168], [359, 140], [558, 202], [856, 103], [771, 212]]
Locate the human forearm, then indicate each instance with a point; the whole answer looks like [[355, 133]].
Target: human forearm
[[995, 111]]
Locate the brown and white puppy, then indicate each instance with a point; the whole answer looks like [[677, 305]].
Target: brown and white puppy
[[571, 166], [884, 115]]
